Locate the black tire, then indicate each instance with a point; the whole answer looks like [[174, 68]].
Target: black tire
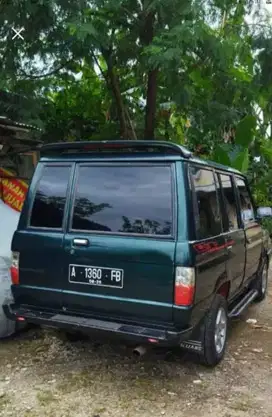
[[262, 281], [211, 355]]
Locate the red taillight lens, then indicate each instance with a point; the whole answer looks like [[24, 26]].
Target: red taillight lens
[[14, 269], [184, 286]]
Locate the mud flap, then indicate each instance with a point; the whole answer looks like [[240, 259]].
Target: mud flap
[[195, 344]]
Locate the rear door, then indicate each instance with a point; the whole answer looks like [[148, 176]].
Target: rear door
[[234, 233], [120, 246], [209, 247], [253, 230], [39, 238]]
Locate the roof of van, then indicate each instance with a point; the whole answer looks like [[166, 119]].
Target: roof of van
[[168, 150]]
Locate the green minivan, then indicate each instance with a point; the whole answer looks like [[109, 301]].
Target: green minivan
[[139, 240]]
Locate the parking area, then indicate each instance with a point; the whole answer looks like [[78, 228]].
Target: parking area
[[42, 374]]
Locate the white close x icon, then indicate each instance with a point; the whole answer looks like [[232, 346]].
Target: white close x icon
[[17, 33]]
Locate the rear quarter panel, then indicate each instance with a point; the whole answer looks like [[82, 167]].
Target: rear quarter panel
[[208, 257]]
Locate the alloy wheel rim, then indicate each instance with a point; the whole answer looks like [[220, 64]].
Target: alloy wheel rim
[[220, 330]]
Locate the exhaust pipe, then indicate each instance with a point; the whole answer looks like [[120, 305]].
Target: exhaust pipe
[[139, 351]]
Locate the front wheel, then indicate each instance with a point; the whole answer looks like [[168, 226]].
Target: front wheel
[[215, 331]]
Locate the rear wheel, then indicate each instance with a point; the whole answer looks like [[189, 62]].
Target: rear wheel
[[262, 282], [215, 332]]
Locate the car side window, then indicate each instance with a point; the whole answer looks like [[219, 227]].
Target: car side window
[[229, 202], [209, 217], [50, 197], [247, 211]]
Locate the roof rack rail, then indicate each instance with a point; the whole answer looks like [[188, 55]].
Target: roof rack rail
[[116, 145]]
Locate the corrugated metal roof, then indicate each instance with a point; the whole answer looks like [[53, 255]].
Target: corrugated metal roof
[[8, 122]]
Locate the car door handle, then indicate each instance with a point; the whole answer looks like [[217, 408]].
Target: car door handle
[[80, 242]]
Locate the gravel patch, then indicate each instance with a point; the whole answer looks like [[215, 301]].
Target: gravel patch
[[42, 374]]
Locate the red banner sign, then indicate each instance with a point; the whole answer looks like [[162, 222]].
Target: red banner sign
[[12, 190]]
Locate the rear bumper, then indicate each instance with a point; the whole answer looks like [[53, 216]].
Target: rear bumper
[[139, 334]]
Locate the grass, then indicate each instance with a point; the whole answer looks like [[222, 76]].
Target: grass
[[4, 400], [45, 397], [243, 403], [76, 381], [99, 410], [30, 413], [45, 413]]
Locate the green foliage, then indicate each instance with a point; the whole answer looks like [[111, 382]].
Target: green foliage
[[83, 69], [236, 154], [245, 131], [267, 224], [74, 109]]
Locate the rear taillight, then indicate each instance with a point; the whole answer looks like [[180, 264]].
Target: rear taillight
[[14, 269], [184, 286]]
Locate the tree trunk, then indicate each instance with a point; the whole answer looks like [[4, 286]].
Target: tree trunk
[[152, 82], [151, 99], [132, 134], [113, 85], [120, 107]]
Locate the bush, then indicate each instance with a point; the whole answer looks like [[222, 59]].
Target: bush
[[267, 223]]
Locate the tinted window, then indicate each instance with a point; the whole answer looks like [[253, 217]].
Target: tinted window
[[209, 221], [229, 202], [48, 207], [247, 212], [127, 199]]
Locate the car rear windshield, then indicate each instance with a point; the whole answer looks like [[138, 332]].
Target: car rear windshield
[[124, 199]]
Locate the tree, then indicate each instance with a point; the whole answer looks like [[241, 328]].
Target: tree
[[201, 72], [77, 109]]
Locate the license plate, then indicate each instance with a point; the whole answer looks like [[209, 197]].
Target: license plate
[[96, 275]]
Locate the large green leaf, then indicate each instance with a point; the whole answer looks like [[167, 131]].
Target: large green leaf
[[241, 74], [199, 80], [241, 161], [221, 156], [245, 131], [262, 101], [267, 152]]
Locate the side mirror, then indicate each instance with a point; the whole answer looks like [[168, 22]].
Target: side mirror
[[263, 212]]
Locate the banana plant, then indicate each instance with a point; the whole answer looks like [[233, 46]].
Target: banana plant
[[236, 154]]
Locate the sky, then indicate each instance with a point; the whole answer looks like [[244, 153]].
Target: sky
[[261, 5]]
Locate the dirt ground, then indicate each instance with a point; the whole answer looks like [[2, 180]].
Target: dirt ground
[[43, 375]]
